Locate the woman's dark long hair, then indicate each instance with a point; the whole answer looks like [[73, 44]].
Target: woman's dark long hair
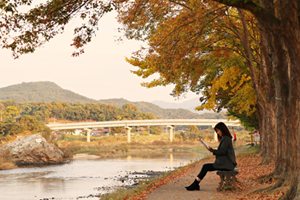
[[223, 128]]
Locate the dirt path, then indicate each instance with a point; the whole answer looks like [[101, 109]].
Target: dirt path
[[175, 189]]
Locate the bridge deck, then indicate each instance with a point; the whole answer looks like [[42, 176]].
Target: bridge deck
[[154, 122]]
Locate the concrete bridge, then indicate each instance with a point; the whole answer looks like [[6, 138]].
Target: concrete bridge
[[127, 124]]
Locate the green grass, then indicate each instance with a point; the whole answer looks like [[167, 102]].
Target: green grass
[[89, 151], [198, 149], [249, 151]]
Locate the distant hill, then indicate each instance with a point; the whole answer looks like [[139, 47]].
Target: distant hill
[[119, 102], [48, 91], [189, 105], [41, 91], [156, 110]]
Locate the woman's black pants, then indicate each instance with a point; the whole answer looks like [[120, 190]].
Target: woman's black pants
[[208, 168]]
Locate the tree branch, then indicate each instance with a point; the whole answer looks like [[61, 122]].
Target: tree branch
[[263, 16]]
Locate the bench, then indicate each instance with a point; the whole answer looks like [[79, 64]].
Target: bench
[[228, 180]]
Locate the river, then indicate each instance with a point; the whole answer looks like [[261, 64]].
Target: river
[[85, 179]]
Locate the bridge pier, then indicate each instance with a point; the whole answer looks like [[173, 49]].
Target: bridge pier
[[88, 134], [171, 127], [128, 133], [215, 135]]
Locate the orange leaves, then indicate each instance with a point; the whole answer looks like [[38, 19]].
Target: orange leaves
[[188, 42], [221, 52], [249, 172]]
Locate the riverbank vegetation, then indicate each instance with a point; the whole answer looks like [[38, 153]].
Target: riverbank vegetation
[[141, 144], [110, 146], [116, 145], [248, 183], [6, 162]]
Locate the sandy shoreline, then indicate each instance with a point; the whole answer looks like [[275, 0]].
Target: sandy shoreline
[[85, 156]]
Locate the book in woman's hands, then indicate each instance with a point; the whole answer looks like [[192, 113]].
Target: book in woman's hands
[[204, 143]]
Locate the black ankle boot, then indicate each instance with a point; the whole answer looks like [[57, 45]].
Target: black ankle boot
[[193, 186]]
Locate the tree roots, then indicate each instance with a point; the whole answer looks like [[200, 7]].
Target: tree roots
[[279, 183]]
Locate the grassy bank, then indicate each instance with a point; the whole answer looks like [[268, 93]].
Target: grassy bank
[[115, 146], [110, 146]]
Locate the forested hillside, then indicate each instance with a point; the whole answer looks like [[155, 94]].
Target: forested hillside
[[29, 111], [156, 110], [72, 111], [41, 91], [48, 92]]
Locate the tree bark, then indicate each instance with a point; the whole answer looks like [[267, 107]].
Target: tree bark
[[269, 88], [281, 34], [289, 89], [265, 100]]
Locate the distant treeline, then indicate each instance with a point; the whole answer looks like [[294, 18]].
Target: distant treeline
[[32, 116], [72, 111]]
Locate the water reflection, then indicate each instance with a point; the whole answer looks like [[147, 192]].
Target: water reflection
[[80, 177]]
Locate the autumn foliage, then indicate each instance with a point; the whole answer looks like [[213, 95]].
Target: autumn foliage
[[225, 50], [198, 47]]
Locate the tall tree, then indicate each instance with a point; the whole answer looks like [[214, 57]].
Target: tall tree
[[279, 66], [203, 47]]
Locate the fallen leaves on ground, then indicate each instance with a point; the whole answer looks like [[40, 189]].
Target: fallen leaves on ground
[[250, 170], [162, 181]]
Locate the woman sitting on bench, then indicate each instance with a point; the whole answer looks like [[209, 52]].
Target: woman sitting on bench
[[225, 156]]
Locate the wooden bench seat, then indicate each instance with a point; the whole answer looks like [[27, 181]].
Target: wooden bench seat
[[228, 180]]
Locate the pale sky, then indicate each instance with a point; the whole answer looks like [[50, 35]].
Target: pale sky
[[100, 73]]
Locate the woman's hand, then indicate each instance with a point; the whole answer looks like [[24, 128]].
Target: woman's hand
[[209, 149]]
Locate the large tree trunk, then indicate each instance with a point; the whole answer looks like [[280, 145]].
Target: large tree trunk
[[288, 75], [297, 143], [268, 85], [281, 34], [272, 86], [270, 131], [265, 99]]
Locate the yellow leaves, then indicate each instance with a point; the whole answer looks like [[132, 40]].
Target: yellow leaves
[[134, 62], [231, 78], [245, 99], [118, 118], [209, 105], [235, 86], [11, 111]]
